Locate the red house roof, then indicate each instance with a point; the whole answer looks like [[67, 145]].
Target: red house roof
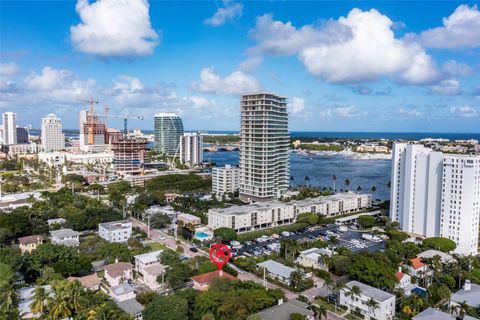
[[30, 239], [206, 278], [399, 275], [417, 263]]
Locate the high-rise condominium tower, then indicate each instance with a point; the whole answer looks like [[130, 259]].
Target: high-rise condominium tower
[[52, 136], [264, 172], [435, 194], [9, 128], [168, 130], [191, 149]]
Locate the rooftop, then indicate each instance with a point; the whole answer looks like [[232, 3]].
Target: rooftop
[[64, 233], [122, 288], [432, 253], [116, 270], [417, 263], [116, 225], [471, 297], [165, 114], [155, 269], [434, 314], [25, 296], [149, 257], [206, 278], [87, 281], [371, 292], [258, 206], [30, 239], [284, 310], [276, 268], [131, 306]]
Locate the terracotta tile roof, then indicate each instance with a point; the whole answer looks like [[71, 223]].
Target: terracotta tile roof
[[206, 278], [417, 263], [116, 270], [30, 239], [399, 275], [87, 281]]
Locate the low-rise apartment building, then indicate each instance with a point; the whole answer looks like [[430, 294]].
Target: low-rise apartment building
[[277, 270], [270, 214], [117, 273], [225, 179], [385, 309], [116, 231], [311, 258]]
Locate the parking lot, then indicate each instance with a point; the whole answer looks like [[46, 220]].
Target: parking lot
[[350, 239]]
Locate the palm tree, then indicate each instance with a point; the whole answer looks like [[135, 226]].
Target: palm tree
[[325, 261], [295, 278], [59, 308], [346, 183], [460, 310], [40, 296], [74, 292], [319, 311], [292, 178], [307, 180], [359, 189], [353, 292], [372, 304], [8, 297], [373, 189], [334, 178], [339, 286]]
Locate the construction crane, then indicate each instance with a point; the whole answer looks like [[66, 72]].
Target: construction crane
[[91, 121], [125, 119]]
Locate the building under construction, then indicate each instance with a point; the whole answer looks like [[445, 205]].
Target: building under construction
[[129, 155], [92, 131]]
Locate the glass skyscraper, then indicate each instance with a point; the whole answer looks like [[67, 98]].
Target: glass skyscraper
[[168, 130], [264, 169]]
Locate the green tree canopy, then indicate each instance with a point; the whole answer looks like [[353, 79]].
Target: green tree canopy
[[308, 217], [439, 243], [160, 221], [366, 221], [373, 269], [167, 307], [225, 234]]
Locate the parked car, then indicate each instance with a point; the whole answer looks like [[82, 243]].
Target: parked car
[[193, 249]]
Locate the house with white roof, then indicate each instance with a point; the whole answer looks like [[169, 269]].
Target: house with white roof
[[312, 258], [115, 231], [470, 294], [146, 259], [435, 314], [277, 270], [430, 254], [25, 299], [67, 237], [132, 307], [385, 309], [148, 266], [122, 292]]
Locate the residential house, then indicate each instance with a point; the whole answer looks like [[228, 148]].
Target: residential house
[[420, 270], [312, 258], [59, 221], [150, 275], [404, 280], [202, 281], [277, 270], [284, 310], [434, 314], [385, 309], [469, 294], [116, 231], [187, 218], [146, 260], [430, 254], [90, 282], [117, 273], [67, 237], [132, 307], [30, 243], [122, 292], [170, 197]]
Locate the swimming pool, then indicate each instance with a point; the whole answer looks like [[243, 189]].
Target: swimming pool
[[201, 235]]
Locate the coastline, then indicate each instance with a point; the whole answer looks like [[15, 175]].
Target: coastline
[[346, 153]]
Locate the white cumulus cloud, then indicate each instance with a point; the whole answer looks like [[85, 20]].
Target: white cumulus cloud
[[464, 111], [229, 11], [114, 28], [359, 47], [237, 82], [297, 105], [447, 87], [8, 69], [460, 30]]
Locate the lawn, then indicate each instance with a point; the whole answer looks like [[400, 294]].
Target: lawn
[[255, 234], [329, 306], [154, 246]]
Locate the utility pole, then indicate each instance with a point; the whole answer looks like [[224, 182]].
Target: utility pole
[[265, 277], [148, 226]]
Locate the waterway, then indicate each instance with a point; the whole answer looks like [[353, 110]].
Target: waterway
[[321, 168]]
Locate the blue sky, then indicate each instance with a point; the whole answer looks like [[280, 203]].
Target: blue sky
[[344, 66]]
